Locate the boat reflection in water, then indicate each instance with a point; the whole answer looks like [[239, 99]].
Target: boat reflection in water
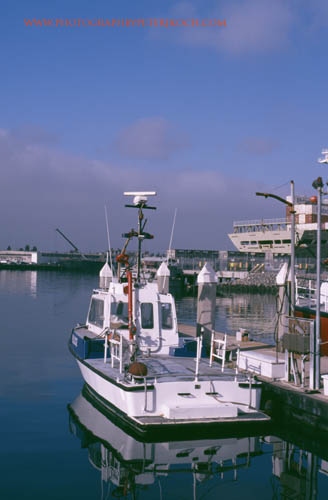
[[133, 468], [128, 464]]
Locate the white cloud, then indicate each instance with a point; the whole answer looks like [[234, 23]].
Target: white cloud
[[43, 188], [258, 145], [252, 26], [151, 138], [255, 26]]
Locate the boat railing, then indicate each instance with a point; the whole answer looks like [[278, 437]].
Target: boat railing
[[161, 377], [218, 349], [115, 342], [306, 295]]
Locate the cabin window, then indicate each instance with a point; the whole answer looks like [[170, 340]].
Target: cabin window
[[119, 315], [147, 315], [167, 320], [96, 313]]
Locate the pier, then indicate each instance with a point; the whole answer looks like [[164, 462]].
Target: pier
[[288, 402]]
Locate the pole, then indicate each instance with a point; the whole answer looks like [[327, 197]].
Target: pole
[[130, 305], [292, 251], [292, 241], [140, 217], [318, 310]]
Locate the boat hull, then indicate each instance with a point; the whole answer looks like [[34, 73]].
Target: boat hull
[[101, 422], [173, 400]]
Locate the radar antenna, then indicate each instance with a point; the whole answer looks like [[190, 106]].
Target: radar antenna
[[325, 158], [140, 202]]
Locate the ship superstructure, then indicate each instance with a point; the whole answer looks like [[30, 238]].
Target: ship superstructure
[[274, 235]]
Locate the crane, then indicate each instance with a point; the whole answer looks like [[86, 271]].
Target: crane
[[69, 241]]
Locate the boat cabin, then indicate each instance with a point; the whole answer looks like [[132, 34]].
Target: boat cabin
[[153, 316]]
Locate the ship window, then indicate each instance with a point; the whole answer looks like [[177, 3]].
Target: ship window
[[167, 322], [245, 242], [96, 312], [122, 310], [277, 242], [265, 242], [286, 241], [119, 316], [147, 315]]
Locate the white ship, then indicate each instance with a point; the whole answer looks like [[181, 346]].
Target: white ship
[[274, 235]]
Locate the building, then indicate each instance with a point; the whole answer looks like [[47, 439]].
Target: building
[[18, 257]]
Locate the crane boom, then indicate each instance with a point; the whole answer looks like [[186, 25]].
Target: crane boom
[[68, 240]]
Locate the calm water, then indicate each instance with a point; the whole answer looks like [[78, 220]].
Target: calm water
[[47, 454]]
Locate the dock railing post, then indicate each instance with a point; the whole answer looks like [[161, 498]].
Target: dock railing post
[[198, 354]]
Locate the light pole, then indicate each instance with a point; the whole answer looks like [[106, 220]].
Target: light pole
[[292, 241], [318, 185]]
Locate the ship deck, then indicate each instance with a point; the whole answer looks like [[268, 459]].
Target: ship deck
[[164, 367]]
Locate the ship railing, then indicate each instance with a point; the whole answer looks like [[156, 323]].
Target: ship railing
[[218, 349], [115, 342], [306, 296], [260, 222]]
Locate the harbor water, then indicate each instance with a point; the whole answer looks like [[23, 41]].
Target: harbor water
[[55, 444]]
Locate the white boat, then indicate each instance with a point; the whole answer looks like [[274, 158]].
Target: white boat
[[274, 235], [134, 361], [128, 465]]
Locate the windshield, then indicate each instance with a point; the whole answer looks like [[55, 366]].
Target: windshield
[[96, 313]]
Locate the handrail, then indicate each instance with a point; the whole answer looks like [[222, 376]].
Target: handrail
[[152, 379], [218, 349], [259, 222], [116, 349]]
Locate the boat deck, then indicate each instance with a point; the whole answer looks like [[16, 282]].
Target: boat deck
[[160, 368], [201, 391]]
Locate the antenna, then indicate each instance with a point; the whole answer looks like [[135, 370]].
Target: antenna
[[108, 240], [172, 231], [171, 238], [140, 202], [139, 193], [325, 158], [140, 198]]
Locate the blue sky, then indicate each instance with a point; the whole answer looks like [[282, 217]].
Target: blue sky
[[206, 116]]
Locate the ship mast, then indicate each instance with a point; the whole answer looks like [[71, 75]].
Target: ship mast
[[140, 202]]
